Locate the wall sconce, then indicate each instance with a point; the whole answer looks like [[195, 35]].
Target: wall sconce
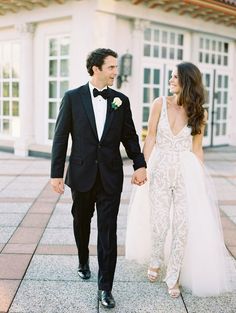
[[125, 69]]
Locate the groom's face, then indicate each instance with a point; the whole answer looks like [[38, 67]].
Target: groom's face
[[108, 72]]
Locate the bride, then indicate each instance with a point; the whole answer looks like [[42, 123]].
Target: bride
[[174, 219]]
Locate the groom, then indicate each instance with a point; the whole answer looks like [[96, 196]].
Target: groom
[[98, 119]]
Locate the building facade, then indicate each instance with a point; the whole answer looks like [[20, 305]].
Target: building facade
[[44, 45]]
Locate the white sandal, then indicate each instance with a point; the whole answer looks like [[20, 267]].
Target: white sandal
[[153, 274], [174, 292]]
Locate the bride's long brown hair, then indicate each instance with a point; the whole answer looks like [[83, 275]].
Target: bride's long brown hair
[[192, 95]]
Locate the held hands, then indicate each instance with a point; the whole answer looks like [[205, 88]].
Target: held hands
[[139, 176], [57, 185]]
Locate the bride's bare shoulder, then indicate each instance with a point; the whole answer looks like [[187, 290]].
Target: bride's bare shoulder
[[157, 104]]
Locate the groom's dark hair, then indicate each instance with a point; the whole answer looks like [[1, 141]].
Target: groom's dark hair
[[97, 57]]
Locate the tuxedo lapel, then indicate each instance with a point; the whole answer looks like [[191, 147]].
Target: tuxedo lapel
[[109, 115], [88, 106]]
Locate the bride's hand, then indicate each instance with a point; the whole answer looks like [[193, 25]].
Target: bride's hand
[[139, 177]]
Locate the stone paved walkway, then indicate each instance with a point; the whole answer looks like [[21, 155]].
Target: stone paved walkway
[[38, 259]]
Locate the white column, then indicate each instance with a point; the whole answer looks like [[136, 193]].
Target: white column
[[21, 146], [136, 80]]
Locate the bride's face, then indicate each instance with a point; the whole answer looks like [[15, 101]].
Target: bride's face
[[174, 82]]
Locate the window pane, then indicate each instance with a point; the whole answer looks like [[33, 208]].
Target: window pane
[[180, 54], [64, 72], [156, 92], [213, 59], [200, 57], [52, 110], [226, 47], [163, 52], [218, 114], [53, 68], [63, 88], [145, 114], [6, 108], [53, 89], [213, 45], [226, 82], [15, 108], [225, 113], [172, 38], [219, 46], [51, 127], [164, 37], [16, 60], [224, 129], [53, 47], [156, 78], [147, 73], [217, 129], [6, 126], [6, 90], [201, 43], [225, 97], [147, 50], [180, 40], [15, 89], [172, 53], [156, 51], [207, 80], [156, 35], [207, 44], [219, 81], [146, 95], [6, 70], [147, 34], [225, 60], [65, 46]]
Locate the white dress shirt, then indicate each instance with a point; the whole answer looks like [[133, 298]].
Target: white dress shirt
[[100, 110]]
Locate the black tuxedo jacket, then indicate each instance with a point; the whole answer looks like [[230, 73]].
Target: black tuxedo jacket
[[88, 153]]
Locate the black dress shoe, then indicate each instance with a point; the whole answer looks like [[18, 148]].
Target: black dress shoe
[[84, 271], [106, 299]]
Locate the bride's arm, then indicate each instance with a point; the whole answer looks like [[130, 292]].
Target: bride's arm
[[152, 128], [197, 141]]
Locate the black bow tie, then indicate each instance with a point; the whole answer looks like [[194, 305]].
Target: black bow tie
[[104, 93]]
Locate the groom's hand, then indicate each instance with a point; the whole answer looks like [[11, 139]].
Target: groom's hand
[[139, 177], [57, 185]]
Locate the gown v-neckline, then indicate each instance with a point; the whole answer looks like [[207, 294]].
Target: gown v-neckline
[[167, 118]]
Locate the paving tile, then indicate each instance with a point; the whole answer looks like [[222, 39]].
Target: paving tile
[[14, 207], [7, 292], [230, 237], [12, 219], [229, 210], [142, 297], [6, 233], [42, 207], [228, 223], [19, 248], [1, 246], [35, 220], [55, 297], [58, 268], [221, 304], [58, 236], [58, 249], [13, 266], [26, 235]]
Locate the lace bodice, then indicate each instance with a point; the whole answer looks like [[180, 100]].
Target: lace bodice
[[166, 140]]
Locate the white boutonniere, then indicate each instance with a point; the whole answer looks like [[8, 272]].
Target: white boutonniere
[[116, 103]]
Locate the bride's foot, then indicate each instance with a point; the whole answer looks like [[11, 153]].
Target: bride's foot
[[174, 292], [153, 274]]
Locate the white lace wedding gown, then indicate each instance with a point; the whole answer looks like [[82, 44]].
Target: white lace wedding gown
[[174, 218]]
